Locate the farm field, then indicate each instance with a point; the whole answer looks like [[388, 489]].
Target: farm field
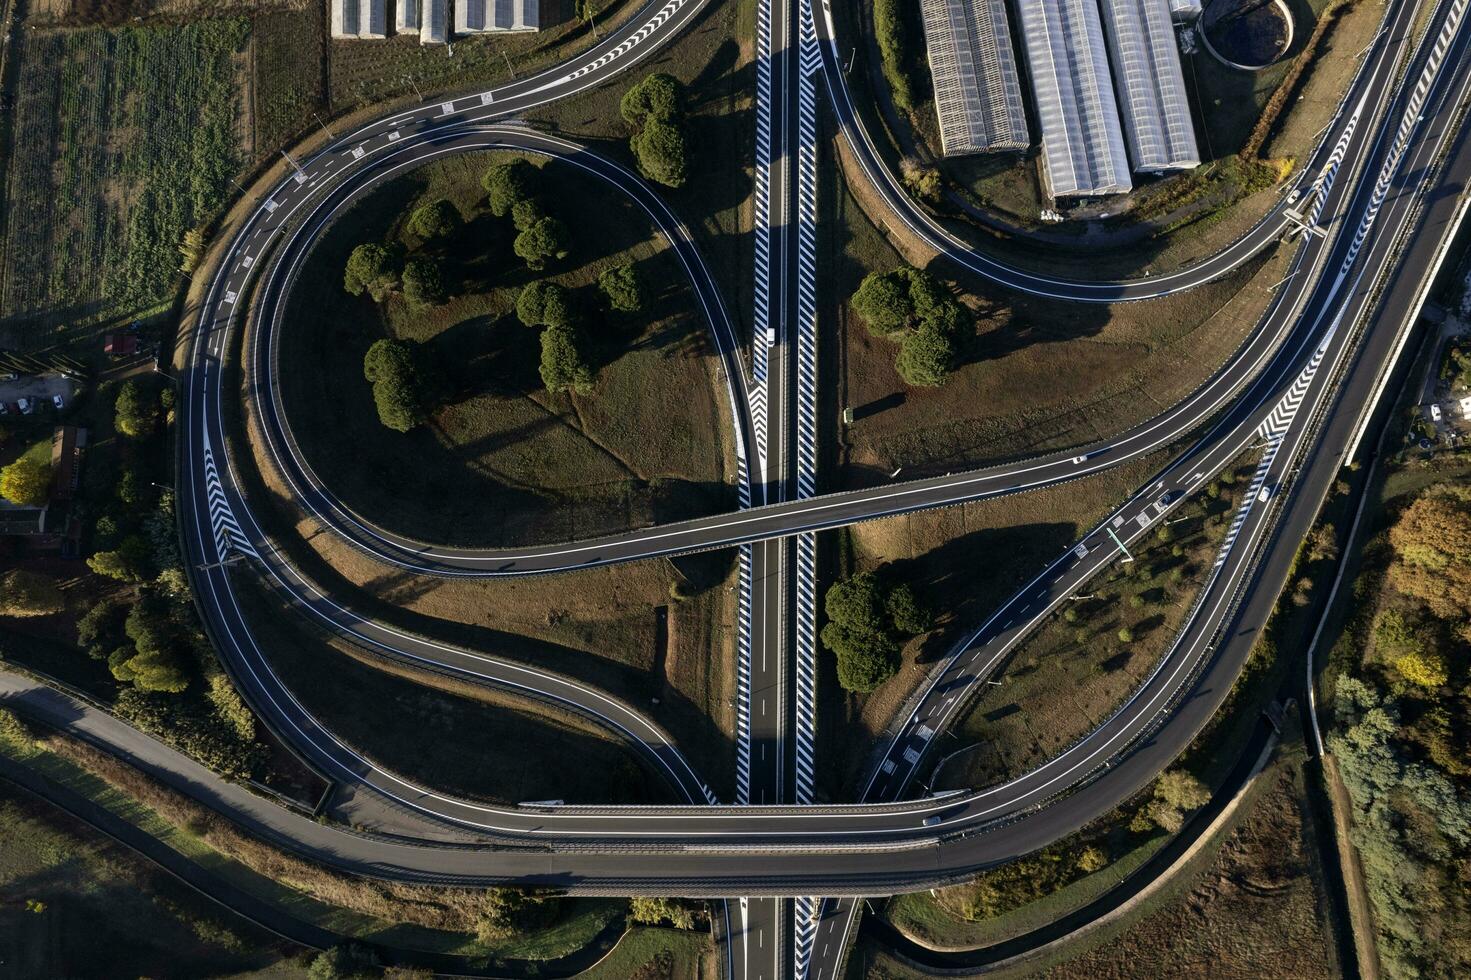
[[124, 140]]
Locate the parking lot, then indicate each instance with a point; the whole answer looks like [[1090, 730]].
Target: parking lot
[[40, 387]]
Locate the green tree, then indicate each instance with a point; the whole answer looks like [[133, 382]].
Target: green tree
[[400, 388], [563, 367], [1432, 545], [625, 288], [656, 911], [26, 593], [865, 660], [547, 239], [422, 283], [526, 212], [507, 911], [1176, 794], [136, 409], [860, 629], [659, 96], [906, 612], [154, 664], [126, 563], [371, 268], [1125, 635], [926, 357], [545, 303], [1092, 858], [437, 219], [882, 300], [27, 482], [101, 628], [191, 250], [1423, 668], [893, 41], [507, 183], [662, 151], [857, 603], [345, 961]]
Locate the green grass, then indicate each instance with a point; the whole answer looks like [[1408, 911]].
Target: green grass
[[1055, 687], [102, 906], [483, 747], [288, 46], [130, 140], [656, 954], [504, 461]]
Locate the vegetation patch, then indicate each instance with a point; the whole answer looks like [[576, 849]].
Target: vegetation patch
[[609, 419]]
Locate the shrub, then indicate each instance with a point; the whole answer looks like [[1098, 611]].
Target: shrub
[[507, 183], [437, 219], [401, 390], [1423, 669], [127, 563], [25, 593], [507, 911], [677, 912], [546, 239], [893, 41], [370, 269], [563, 367], [26, 481], [1125, 635], [624, 287], [422, 283]]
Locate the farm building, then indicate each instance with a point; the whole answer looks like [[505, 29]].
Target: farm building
[[1185, 11], [1082, 140], [978, 95], [482, 16], [1151, 88], [427, 18], [359, 18]]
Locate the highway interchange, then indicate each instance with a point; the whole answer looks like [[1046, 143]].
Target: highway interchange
[[1302, 379]]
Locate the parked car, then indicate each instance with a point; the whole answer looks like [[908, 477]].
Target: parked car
[[58, 401], [4, 409], [26, 405], [1435, 413]]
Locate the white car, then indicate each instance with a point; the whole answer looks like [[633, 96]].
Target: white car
[[1080, 459], [58, 401], [26, 405], [1435, 413], [1264, 494], [771, 336]]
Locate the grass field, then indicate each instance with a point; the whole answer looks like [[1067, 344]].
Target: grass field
[[962, 561], [505, 461], [1038, 376], [487, 744], [1075, 669], [129, 139], [659, 954], [1252, 907], [100, 906]]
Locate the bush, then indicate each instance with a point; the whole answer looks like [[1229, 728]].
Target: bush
[[678, 912], [26, 482], [370, 268], [24, 593], [422, 283], [1125, 635], [437, 219], [504, 912], [563, 367], [1423, 669], [893, 41], [546, 239], [507, 183], [662, 152], [624, 287], [136, 410], [346, 961], [129, 562], [401, 388]]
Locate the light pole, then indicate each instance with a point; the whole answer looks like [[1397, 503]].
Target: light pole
[[235, 558]]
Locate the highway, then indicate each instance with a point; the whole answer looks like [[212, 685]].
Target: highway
[[893, 827], [1297, 382]]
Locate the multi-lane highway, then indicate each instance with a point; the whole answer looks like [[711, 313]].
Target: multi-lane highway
[[1297, 381]]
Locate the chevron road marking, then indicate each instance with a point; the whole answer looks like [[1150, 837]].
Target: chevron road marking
[[761, 323], [227, 534], [805, 916]]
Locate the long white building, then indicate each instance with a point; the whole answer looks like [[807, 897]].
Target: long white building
[[978, 93], [359, 18], [427, 18], [483, 16], [1082, 139], [1151, 87]]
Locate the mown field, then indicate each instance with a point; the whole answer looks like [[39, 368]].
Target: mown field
[[125, 139]]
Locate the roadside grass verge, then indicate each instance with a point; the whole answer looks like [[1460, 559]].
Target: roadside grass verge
[[961, 561], [504, 461], [484, 744], [1072, 672], [78, 904], [646, 953], [1038, 376], [440, 920]]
